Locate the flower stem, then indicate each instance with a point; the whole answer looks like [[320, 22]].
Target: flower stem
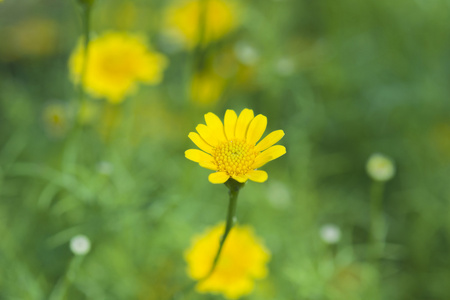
[[86, 19], [60, 289], [234, 188], [376, 219]]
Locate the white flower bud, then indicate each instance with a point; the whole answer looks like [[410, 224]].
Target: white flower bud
[[80, 245], [380, 167], [330, 233]]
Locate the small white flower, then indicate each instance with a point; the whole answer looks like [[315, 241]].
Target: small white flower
[[105, 167], [380, 167], [246, 53], [285, 66], [330, 233], [80, 245]]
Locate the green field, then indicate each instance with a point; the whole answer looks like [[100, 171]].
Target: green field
[[98, 97]]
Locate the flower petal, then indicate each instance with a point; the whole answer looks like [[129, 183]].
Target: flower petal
[[207, 135], [268, 155], [208, 165], [242, 123], [269, 140], [256, 129], [257, 175], [197, 155], [240, 178], [230, 123], [197, 139], [218, 177], [215, 126]]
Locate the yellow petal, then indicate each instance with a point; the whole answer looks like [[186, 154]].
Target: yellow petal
[[256, 129], [240, 178], [200, 142], [257, 175], [240, 287], [208, 165], [218, 177], [269, 140], [242, 123], [197, 155], [268, 155], [207, 135], [230, 123], [215, 126]]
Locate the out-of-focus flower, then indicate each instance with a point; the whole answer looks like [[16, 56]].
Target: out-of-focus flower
[[246, 53], [330, 233], [206, 87], [242, 260], [56, 119], [220, 18], [285, 66], [87, 112], [105, 168], [117, 61], [380, 167], [33, 37], [80, 245], [230, 148]]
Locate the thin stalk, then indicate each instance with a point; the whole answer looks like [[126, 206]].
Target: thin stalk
[[376, 219], [70, 151], [86, 24], [234, 188], [60, 289]]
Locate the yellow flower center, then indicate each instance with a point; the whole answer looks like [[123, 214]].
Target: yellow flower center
[[235, 157]]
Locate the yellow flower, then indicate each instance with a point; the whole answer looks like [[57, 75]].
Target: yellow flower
[[206, 87], [220, 19], [242, 260], [116, 62], [230, 149]]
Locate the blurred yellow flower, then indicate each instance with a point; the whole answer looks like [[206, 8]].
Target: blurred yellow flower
[[206, 87], [116, 62], [243, 259], [184, 18], [230, 148]]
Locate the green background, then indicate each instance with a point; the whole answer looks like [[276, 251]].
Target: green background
[[344, 79]]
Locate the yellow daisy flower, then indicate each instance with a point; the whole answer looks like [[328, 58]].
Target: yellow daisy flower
[[230, 148], [221, 18], [116, 62], [243, 259]]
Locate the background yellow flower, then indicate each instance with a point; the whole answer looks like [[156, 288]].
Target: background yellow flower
[[206, 88], [220, 19], [243, 259], [116, 62]]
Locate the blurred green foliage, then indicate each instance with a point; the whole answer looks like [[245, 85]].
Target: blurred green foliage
[[343, 79]]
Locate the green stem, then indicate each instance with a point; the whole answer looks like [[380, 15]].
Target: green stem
[[86, 19], [60, 289], [376, 219], [234, 188], [70, 150], [199, 50]]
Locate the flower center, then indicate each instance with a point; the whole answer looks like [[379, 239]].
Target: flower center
[[118, 66], [234, 157]]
